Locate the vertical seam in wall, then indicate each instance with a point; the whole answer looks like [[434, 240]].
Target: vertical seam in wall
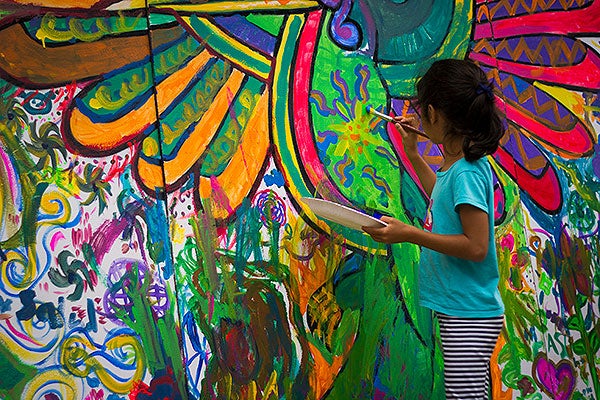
[[162, 194], [534, 278]]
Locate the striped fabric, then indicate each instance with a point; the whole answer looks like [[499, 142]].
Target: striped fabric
[[467, 345]]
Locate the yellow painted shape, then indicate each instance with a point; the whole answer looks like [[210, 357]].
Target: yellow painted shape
[[54, 381], [252, 391], [239, 176], [66, 4], [236, 45], [59, 3], [105, 135], [271, 387], [236, 6], [568, 98], [282, 72], [52, 203], [10, 212], [28, 264], [196, 143], [177, 232], [78, 357], [30, 343]]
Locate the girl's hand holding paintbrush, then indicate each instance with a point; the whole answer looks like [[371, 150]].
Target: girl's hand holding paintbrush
[[406, 125]]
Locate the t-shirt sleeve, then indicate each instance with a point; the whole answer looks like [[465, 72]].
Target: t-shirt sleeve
[[471, 188]]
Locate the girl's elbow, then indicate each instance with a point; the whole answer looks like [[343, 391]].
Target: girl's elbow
[[475, 250], [479, 254]]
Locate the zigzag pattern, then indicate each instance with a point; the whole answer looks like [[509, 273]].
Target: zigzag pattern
[[541, 108], [557, 50], [549, 51], [515, 137], [547, 111], [519, 7]]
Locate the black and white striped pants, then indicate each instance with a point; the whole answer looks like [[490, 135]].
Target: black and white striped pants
[[467, 345]]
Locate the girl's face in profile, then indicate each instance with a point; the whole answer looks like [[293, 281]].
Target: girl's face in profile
[[433, 124]]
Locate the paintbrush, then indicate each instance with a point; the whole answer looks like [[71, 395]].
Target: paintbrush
[[371, 110]]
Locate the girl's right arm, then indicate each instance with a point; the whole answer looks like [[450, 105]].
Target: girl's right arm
[[409, 142]]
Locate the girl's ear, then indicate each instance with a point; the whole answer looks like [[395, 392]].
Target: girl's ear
[[432, 114]]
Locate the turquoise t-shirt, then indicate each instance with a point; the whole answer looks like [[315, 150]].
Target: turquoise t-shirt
[[451, 285]]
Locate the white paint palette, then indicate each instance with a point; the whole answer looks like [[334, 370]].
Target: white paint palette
[[341, 214]]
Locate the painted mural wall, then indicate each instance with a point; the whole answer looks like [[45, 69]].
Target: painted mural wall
[[153, 241]]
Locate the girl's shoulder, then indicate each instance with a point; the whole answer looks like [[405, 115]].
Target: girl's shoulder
[[480, 167], [481, 164]]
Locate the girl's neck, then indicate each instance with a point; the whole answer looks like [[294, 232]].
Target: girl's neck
[[452, 152]]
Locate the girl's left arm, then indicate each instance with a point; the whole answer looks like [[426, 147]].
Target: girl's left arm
[[471, 245]]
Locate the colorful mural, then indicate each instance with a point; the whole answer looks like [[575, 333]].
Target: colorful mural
[[153, 241]]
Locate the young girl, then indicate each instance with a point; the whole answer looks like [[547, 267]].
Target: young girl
[[458, 272]]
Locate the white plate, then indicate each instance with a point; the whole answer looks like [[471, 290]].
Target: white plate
[[341, 214]]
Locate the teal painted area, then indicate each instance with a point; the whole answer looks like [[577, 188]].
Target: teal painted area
[[280, 98]]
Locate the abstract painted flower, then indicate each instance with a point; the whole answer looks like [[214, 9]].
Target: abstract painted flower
[[266, 106], [535, 55]]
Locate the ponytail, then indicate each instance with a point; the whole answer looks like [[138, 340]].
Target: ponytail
[[461, 91]]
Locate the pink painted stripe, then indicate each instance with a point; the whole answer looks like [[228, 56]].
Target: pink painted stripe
[[584, 20], [543, 189], [55, 239], [396, 139], [301, 88], [18, 334], [573, 142], [10, 172], [583, 75]]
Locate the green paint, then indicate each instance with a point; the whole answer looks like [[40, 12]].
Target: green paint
[[347, 328], [386, 341], [205, 234], [15, 374], [54, 29], [13, 124], [424, 28], [545, 283], [119, 92], [358, 139], [413, 201], [248, 240], [280, 98], [584, 181], [271, 23], [189, 110], [241, 57], [158, 335], [521, 315], [367, 180]]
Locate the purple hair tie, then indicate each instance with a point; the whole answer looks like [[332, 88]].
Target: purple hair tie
[[486, 88]]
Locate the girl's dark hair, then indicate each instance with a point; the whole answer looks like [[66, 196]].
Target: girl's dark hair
[[462, 92]]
